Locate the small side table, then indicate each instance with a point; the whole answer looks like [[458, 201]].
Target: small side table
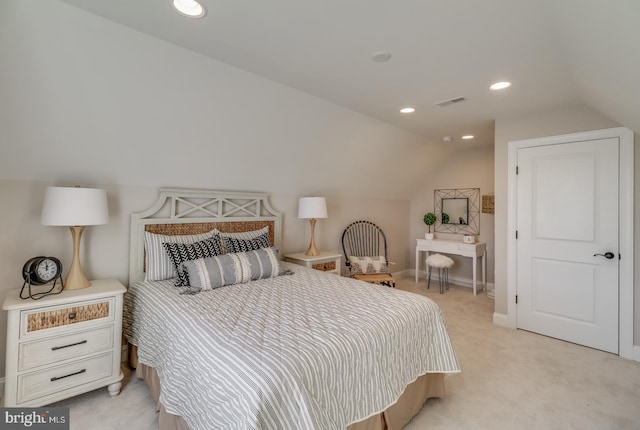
[[327, 261], [63, 345]]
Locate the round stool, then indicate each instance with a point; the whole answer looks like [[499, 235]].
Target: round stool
[[442, 263]]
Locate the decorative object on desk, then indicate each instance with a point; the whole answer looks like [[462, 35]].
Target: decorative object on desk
[[429, 219], [457, 210], [75, 208], [488, 204], [312, 208], [40, 271], [469, 238]]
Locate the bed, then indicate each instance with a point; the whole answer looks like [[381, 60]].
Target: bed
[[298, 349]]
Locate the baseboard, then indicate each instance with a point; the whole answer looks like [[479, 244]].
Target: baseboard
[[406, 273], [501, 320], [466, 282], [463, 282]]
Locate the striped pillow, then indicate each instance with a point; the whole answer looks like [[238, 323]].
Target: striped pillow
[[229, 269], [180, 252], [158, 265]]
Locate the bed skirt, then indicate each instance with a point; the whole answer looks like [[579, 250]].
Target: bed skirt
[[395, 417]]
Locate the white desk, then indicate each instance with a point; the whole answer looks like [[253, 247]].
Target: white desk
[[472, 250]]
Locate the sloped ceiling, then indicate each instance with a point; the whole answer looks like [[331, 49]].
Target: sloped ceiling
[[599, 40], [554, 52]]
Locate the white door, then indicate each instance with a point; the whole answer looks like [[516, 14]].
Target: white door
[[567, 212]]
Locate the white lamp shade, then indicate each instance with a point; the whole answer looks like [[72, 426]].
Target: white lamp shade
[[69, 206], [312, 207]]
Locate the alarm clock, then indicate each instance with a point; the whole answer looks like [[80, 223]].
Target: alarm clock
[[39, 271], [469, 238]]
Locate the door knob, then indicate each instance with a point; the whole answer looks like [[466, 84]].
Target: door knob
[[608, 255]]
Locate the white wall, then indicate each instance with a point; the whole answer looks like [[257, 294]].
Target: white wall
[[464, 168], [89, 102], [549, 123], [85, 99]]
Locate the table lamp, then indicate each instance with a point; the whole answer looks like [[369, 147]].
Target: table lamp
[[312, 208], [75, 208]]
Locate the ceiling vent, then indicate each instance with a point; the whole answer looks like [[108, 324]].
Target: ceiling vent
[[450, 101]]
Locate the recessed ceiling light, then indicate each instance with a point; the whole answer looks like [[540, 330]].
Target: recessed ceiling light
[[189, 8], [380, 56], [408, 110], [500, 85], [468, 136]]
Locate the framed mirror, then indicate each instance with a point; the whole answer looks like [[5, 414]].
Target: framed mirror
[[457, 210]]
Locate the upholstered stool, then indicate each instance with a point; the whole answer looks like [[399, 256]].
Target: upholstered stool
[[442, 263]]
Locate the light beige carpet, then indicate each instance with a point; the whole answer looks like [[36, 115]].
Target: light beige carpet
[[510, 380]]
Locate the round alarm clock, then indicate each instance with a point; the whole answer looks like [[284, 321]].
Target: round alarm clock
[[41, 270]]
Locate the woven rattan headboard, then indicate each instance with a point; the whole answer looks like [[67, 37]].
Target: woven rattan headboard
[[179, 211]]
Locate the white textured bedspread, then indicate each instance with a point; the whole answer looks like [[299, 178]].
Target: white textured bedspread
[[304, 351]]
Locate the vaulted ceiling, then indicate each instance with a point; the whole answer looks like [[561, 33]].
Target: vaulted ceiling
[[555, 53]]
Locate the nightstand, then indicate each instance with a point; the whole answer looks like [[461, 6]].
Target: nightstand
[[327, 261], [63, 345]]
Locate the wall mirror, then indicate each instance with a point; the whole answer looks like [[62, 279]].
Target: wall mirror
[[457, 210]]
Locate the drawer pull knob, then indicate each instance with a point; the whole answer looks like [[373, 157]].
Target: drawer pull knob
[[55, 378], [55, 348], [72, 315]]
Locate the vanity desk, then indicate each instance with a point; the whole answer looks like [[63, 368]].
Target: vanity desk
[[471, 250]]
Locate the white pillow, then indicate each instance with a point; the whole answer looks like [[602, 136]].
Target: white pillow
[[365, 265], [158, 264]]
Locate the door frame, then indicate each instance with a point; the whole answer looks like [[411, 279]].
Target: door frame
[[625, 232]]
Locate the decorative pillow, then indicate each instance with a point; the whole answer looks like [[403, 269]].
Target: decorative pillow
[[237, 268], [364, 265], [158, 265], [244, 235], [243, 245], [179, 253]]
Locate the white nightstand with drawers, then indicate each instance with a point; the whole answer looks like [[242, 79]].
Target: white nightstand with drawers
[[330, 262], [63, 345]]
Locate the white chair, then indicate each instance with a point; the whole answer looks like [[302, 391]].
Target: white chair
[[442, 263]]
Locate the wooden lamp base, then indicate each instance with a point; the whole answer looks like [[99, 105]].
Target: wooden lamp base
[[75, 278], [313, 251]]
